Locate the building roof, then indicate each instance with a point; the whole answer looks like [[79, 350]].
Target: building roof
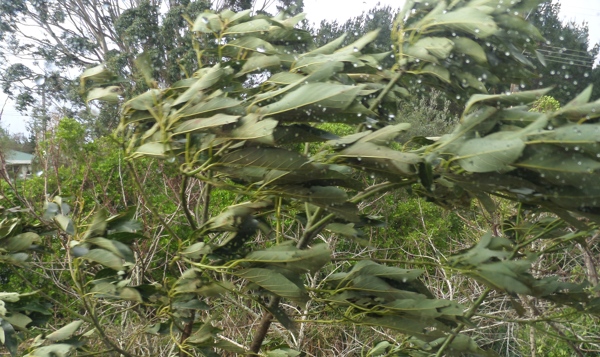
[[13, 157]]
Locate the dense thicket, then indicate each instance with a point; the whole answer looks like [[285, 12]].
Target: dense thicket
[[275, 200]]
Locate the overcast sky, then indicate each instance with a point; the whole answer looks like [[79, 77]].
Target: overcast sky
[[317, 10]]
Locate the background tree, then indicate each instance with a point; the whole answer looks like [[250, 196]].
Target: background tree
[[570, 57]]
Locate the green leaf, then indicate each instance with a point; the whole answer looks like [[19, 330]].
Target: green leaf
[[241, 16], [203, 124], [405, 325], [285, 78], [276, 283], [581, 99], [18, 320], [258, 25], [65, 223], [196, 250], [328, 48], [436, 70], [110, 94], [54, 350], [106, 258], [229, 219], [385, 135], [506, 100], [467, 19], [439, 47], [65, 332], [359, 44], [130, 294], [144, 101], [471, 48], [583, 138], [98, 226], [271, 158], [560, 167], [209, 77], [19, 242], [347, 229], [314, 194], [99, 74], [488, 154], [521, 25], [279, 313], [253, 127], [151, 149], [292, 258], [207, 23], [381, 159], [250, 43], [203, 108], [259, 62], [9, 340], [116, 247], [327, 95]]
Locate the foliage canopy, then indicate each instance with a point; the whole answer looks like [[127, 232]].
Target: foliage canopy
[[251, 123]]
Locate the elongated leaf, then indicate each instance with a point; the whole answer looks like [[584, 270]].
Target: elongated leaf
[[428, 307], [257, 63], [151, 149], [19, 242], [325, 94], [251, 44], [54, 350], [207, 23], [271, 158], [583, 138], [300, 133], [409, 326], [506, 100], [116, 247], [359, 44], [229, 219], [279, 313], [258, 25], [471, 48], [108, 94], [276, 283], [326, 64], [561, 167], [99, 74], [292, 258], [327, 49], [469, 20], [209, 78], [285, 78], [521, 25], [251, 127], [203, 124], [65, 332], [204, 108], [385, 135], [439, 47], [488, 155], [65, 223], [143, 101], [17, 320], [381, 159], [437, 71], [106, 258]]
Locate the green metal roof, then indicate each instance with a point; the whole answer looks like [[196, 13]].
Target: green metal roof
[[17, 157]]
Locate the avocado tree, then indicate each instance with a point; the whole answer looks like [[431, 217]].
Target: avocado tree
[[249, 125]]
